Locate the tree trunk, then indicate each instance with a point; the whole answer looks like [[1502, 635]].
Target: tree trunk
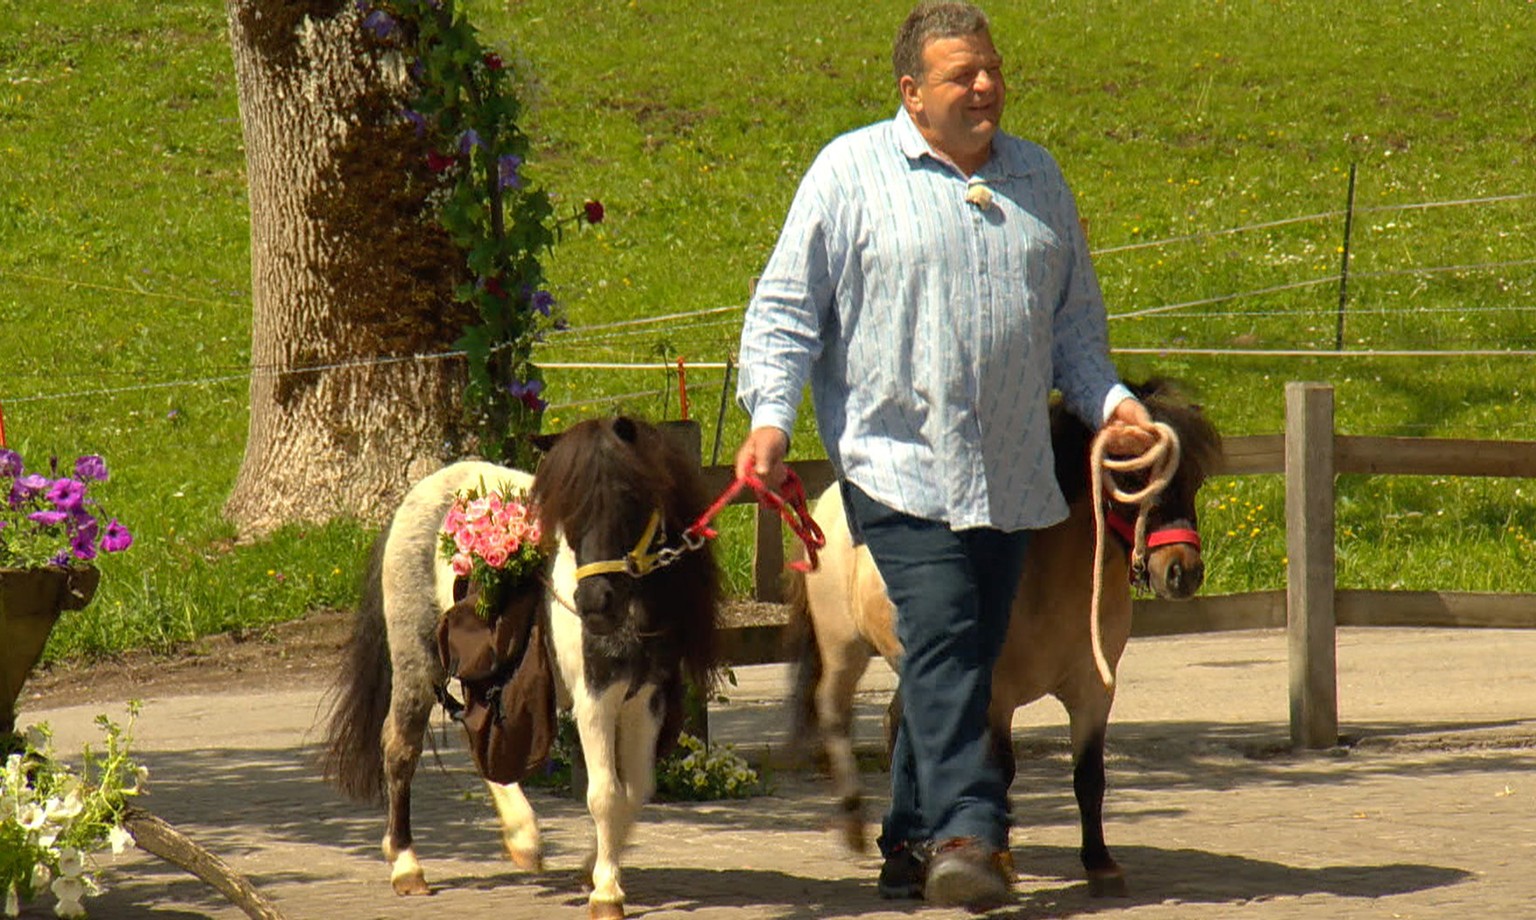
[[351, 278]]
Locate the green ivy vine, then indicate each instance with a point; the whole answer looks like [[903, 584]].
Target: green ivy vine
[[466, 112]]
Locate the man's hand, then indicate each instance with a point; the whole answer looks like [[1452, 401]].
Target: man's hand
[[1131, 412], [1129, 432], [762, 455]]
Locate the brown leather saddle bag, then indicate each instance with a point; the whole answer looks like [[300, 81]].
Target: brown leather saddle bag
[[503, 667]]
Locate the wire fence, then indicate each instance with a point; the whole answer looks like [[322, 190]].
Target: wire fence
[[709, 334]]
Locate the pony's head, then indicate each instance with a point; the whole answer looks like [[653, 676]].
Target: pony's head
[[1173, 567], [620, 493]]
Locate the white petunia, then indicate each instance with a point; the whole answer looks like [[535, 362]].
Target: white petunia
[[67, 808], [120, 838], [31, 816], [12, 901], [41, 876], [71, 863], [69, 891]]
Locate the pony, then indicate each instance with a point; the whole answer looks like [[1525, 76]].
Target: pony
[[840, 616], [631, 616]]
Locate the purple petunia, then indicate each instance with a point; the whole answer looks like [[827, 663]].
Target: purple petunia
[[117, 538], [83, 543], [91, 468], [67, 494], [52, 519], [507, 168], [48, 518], [542, 301], [27, 486], [469, 140], [417, 120]]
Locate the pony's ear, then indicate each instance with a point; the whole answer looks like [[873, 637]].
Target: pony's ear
[[543, 443], [625, 428]]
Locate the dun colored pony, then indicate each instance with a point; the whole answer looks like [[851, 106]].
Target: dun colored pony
[[623, 643], [841, 616]]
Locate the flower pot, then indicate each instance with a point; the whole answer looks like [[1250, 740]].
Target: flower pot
[[30, 603]]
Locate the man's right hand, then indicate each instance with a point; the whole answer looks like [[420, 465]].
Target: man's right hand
[[762, 455]]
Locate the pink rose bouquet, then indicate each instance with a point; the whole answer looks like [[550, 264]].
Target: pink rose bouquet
[[492, 539]]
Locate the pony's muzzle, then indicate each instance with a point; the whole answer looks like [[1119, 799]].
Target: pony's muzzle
[[1182, 577], [598, 604]]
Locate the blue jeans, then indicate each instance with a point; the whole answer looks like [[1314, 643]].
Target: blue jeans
[[952, 591]]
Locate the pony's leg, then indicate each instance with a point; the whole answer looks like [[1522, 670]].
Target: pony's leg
[[519, 826], [1000, 724], [639, 725], [841, 670], [404, 729], [1088, 713], [597, 720]]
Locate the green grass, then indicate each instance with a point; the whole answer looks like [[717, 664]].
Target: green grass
[[124, 245]]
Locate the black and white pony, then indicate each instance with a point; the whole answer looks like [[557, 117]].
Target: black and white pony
[[623, 644]]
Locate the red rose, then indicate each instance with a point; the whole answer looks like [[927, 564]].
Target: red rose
[[438, 162], [594, 212], [493, 60]]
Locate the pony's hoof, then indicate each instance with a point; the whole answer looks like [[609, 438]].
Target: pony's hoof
[[529, 860], [605, 910], [851, 829], [1108, 884], [412, 883]]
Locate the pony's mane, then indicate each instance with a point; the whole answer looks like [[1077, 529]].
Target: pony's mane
[[595, 468], [1168, 403]]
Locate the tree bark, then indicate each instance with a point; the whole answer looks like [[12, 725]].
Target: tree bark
[[351, 278]]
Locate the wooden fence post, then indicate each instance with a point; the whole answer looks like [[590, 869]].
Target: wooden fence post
[[1309, 523]]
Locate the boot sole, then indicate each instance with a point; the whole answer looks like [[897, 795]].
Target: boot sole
[[957, 883]]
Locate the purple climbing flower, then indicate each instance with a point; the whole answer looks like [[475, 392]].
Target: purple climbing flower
[[507, 168], [528, 393], [381, 24]]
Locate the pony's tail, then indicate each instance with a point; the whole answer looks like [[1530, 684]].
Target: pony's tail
[[353, 759], [800, 648]]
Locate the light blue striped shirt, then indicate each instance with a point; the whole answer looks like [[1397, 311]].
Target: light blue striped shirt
[[932, 330]]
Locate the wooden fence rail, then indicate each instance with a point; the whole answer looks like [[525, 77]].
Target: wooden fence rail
[[1310, 455]]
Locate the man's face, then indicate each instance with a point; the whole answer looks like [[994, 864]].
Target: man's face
[[958, 101]]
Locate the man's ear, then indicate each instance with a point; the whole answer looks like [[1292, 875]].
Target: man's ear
[[910, 98]]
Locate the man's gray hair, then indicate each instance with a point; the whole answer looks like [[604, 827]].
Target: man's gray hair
[[928, 22]]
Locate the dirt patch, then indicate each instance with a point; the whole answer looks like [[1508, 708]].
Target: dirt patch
[[302, 652]]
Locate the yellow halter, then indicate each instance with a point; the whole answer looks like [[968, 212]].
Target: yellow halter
[[637, 562]]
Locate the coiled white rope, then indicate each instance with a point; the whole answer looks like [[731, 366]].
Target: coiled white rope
[[1162, 457]]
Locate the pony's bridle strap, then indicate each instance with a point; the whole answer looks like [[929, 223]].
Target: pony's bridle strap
[[637, 562]]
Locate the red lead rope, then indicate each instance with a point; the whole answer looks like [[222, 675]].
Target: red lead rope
[[789, 502]]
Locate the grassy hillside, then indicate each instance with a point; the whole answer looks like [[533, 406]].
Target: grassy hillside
[[124, 306]]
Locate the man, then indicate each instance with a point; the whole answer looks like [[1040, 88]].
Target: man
[[933, 283]]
